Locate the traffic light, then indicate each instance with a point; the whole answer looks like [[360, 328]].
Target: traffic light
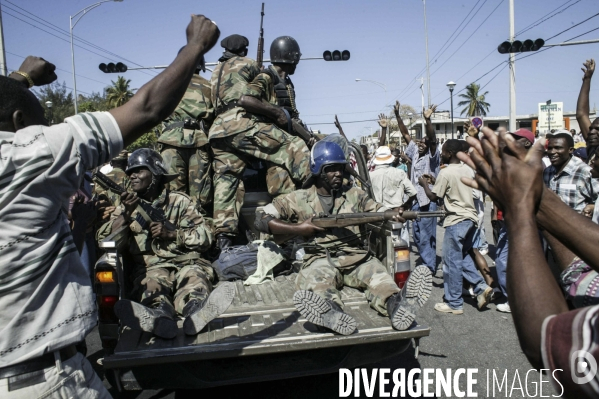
[[112, 67], [336, 55], [520, 47]]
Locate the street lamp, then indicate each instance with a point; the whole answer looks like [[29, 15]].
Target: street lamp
[[451, 85], [49, 106], [384, 88], [77, 17]]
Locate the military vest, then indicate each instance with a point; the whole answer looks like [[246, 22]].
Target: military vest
[[285, 92]]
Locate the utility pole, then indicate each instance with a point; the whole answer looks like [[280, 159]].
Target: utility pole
[[512, 64], [428, 73], [422, 113], [3, 70]]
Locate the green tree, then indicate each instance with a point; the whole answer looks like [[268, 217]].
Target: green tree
[[62, 102], [147, 140], [119, 93], [474, 102], [95, 102]]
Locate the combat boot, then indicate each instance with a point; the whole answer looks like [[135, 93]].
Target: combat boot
[[199, 313], [323, 312], [402, 306], [159, 320]]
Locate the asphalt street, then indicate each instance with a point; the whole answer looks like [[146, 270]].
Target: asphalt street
[[483, 340]]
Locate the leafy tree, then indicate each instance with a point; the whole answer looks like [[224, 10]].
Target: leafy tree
[[95, 102], [62, 102], [119, 93], [147, 140], [474, 102]]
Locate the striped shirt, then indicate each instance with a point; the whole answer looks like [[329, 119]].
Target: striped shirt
[[46, 296], [570, 349], [574, 185], [423, 165]]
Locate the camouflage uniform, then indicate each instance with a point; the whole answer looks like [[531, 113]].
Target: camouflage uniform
[[163, 267], [238, 137], [349, 264], [186, 151], [118, 176]]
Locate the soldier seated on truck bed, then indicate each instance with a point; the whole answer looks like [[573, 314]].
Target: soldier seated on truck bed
[[169, 275], [336, 257]]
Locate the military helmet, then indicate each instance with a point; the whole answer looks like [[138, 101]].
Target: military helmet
[[147, 158], [285, 50], [325, 153]]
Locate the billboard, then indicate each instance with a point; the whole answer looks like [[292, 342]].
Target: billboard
[[551, 117]]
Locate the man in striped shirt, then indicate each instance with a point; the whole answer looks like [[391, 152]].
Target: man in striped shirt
[[45, 293]]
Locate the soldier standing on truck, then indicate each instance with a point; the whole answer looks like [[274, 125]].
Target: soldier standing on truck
[[337, 257], [184, 145], [170, 276], [248, 126]]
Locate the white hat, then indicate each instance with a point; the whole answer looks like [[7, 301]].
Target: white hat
[[383, 156]]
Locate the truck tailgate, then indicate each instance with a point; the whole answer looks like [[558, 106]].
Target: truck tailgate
[[262, 320]]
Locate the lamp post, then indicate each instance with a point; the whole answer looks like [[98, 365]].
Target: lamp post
[[49, 106], [77, 17], [451, 85], [549, 114], [384, 87]]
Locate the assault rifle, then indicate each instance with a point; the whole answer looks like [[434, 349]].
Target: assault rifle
[[146, 213], [357, 219], [260, 55]]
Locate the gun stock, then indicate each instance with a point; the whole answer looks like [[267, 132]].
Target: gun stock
[[260, 55]]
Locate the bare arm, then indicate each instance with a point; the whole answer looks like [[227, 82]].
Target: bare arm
[[38, 69], [158, 98], [255, 106], [423, 181], [582, 106], [430, 131], [383, 123], [402, 128], [304, 229], [338, 126]]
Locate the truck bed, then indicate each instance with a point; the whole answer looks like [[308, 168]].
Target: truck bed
[[262, 320]]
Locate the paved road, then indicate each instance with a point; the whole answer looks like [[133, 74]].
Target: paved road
[[484, 340]]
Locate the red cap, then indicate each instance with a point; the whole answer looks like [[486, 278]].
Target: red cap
[[527, 134]]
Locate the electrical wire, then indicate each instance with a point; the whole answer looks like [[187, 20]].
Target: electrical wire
[[573, 26], [543, 19]]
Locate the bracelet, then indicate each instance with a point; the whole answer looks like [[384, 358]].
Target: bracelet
[[26, 76]]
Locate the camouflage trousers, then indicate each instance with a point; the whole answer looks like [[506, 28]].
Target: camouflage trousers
[[371, 276], [173, 285], [194, 167], [286, 156]]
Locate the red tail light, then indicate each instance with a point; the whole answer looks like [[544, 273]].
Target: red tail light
[[401, 278], [106, 308]]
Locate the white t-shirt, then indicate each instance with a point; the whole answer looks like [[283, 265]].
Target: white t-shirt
[[46, 296]]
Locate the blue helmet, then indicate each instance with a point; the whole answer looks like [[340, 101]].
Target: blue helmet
[[325, 153]]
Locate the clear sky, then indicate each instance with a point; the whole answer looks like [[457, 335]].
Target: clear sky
[[385, 38]]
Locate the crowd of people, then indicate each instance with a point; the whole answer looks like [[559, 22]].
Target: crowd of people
[[179, 206]]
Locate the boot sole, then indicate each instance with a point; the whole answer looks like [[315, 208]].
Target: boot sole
[[138, 317], [317, 311], [218, 302], [417, 291]]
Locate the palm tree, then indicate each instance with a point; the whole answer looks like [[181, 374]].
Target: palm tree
[[474, 102], [119, 93]]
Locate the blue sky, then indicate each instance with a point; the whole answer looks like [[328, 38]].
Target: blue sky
[[385, 38]]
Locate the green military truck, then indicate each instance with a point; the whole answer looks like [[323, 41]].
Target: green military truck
[[261, 336]]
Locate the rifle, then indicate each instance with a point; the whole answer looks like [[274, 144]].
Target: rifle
[[146, 213], [356, 219], [260, 55]]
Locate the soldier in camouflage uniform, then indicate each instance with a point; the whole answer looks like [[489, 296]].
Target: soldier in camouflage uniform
[[247, 127], [169, 274], [184, 145], [336, 257]]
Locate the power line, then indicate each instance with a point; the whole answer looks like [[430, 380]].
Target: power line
[[573, 26], [543, 19], [64, 32]]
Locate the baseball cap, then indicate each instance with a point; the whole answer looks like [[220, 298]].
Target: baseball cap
[[383, 156], [525, 133]]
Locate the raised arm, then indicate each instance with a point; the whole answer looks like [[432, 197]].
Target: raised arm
[[157, 99], [338, 126], [383, 123], [402, 128], [582, 106], [40, 71], [430, 131]]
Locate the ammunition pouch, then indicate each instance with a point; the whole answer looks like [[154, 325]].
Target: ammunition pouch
[[225, 108]]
